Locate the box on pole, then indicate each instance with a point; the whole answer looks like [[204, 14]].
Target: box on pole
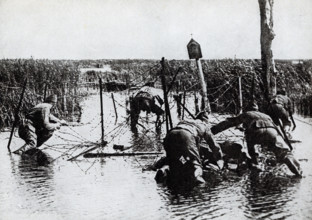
[[194, 50]]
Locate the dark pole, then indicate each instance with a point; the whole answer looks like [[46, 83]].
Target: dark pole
[[163, 81], [114, 106], [173, 80], [16, 114], [102, 120], [45, 87], [184, 97], [187, 110]]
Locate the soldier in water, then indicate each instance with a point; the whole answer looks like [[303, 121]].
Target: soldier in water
[[280, 108], [260, 129], [38, 126], [182, 146]]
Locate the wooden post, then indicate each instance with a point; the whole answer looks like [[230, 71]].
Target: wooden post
[[184, 101], [274, 74], [16, 115], [73, 110], [64, 98], [196, 104], [194, 52], [173, 80], [206, 104], [266, 37], [102, 119], [163, 82], [114, 107], [240, 94], [123, 154], [187, 110], [46, 87]]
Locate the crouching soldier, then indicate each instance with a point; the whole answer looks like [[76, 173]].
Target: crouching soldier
[[38, 126], [280, 107], [260, 129], [182, 145], [144, 101], [231, 150]]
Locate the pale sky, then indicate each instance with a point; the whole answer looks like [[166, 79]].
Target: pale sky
[[150, 29]]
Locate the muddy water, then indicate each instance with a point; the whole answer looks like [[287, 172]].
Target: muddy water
[[117, 188]]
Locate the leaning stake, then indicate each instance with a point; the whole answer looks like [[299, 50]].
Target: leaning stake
[[115, 108], [16, 114]]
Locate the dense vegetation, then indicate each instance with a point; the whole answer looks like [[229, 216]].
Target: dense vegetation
[[63, 78], [44, 77], [222, 79]]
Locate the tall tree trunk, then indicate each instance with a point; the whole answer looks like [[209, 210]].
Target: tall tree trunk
[[266, 38]]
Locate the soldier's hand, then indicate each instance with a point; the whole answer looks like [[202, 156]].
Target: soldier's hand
[[220, 164], [240, 128]]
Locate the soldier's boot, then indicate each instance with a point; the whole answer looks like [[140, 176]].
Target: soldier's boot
[[293, 165], [162, 174], [23, 149]]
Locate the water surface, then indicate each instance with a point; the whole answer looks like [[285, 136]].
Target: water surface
[[118, 188]]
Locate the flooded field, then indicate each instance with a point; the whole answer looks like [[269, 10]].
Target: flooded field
[[118, 188]]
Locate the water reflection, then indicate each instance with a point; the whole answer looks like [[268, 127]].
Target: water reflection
[[35, 183], [147, 141], [117, 188], [268, 195]]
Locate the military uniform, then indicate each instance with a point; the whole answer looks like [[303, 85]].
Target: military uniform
[[260, 129], [144, 100], [38, 126], [280, 108], [182, 148]]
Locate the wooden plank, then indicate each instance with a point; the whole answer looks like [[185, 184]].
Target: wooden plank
[[92, 155]]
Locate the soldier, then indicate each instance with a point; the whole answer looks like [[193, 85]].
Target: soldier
[[144, 100], [260, 129], [182, 148], [38, 126], [280, 107]]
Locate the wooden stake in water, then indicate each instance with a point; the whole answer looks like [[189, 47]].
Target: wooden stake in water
[[16, 114], [184, 97], [194, 52], [102, 119], [240, 94], [167, 109], [46, 87], [206, 104], [115, 107]]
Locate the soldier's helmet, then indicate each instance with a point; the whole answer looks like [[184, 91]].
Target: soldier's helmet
[[203, 115], [51, 99]]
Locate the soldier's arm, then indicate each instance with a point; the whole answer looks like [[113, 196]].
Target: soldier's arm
[[54, 118], [214, 146], [46, 120], [227, 123]]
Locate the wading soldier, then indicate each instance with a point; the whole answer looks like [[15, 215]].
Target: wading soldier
[[144, 100], [38, 126], [280, 107], [182, 145], [260, 129]]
